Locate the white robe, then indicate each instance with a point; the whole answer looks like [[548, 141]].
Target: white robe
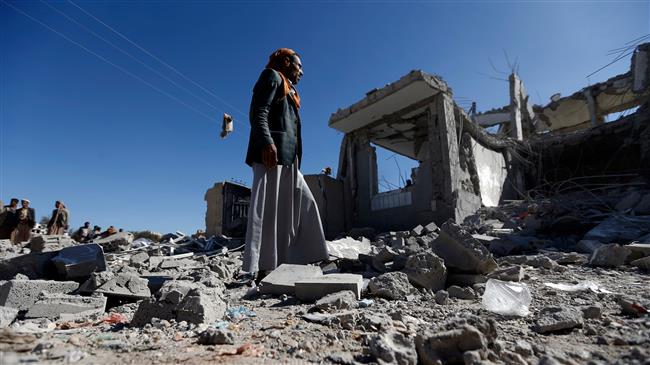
[[284, 225]]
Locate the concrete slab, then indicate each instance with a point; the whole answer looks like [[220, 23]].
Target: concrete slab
[[55, 306], [282, 280], [79, 262], [638, 250], [315, 288], [22, 294]]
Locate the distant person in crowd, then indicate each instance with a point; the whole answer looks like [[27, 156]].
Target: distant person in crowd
[[121, 230], [26, 218], [109, 232], [97, 231], [83, 233], [58, 223], [8, 221], [284, 225]]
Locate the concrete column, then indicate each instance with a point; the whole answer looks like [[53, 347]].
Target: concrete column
[[516, 130], [596, 119]]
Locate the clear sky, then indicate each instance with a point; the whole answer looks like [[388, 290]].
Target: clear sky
[[138, 152]]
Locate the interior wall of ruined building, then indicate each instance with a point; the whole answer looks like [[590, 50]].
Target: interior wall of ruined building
[[214, 212]]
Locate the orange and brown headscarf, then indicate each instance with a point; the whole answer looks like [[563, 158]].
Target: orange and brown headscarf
[[276, 63]]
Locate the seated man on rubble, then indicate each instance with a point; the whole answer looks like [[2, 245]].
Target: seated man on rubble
[[284, 225]]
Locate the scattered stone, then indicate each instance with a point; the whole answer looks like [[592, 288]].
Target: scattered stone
[[164, 303], [387, 254], [393, 285], [66, 307], [393, 348], [318, 287], [345, 299], [638, 250], [461, 251], [201, 306], [441, 297], [426, 270], [22, 294], [592, 311], [461, 293], [47, 243], [215, 336], [631, 307], [513, 273], [139, 258], [611, 255], [553, 319], [523, 348], [282, 280]]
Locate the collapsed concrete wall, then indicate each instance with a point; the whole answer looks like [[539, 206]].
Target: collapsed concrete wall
[[328, 193], [460, 165]]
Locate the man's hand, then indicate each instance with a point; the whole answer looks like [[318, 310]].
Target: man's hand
[[270, 156]]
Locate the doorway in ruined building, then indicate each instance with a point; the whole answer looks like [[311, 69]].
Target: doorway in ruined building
[[394, 179]]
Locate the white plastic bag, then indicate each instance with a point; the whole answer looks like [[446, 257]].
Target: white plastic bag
[[507, 298]]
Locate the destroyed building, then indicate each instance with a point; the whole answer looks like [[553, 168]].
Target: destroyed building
[[227, 209], [463, 167]]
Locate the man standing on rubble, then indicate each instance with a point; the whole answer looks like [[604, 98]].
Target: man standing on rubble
[[284, 225], [58, 223], [26, 220], [8, 220]]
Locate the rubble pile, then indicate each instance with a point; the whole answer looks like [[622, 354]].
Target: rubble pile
[[542, 281]]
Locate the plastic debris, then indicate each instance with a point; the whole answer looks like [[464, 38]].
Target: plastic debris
[[583, 286], [348, 247], [226, 125], [507, 298], [141, 242], [240, 312]]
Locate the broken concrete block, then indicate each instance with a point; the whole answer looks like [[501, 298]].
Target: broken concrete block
[[165, 302], [387, 254], [461, 252], [553, 319], [95, 280], [126, 285], [22, 294], [397, 242], [47, 243], [448, 347], [345, 299], [592, 311], [7, 316], [513, 273], [426, 270], [117, 242], [392, 285], [139, 259], [78, 262], [461, 293], [611, 255], [642, 263], [282, 280], [318, 287], [55, 306], [431, 228], [200, 306], [418, 230], [393, 348]]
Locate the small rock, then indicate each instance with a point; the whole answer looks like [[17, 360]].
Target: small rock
[[523, 348], [393, 285], [340, 300], [513, 273], [461, 293], [441, 297], [642, 263], [393, 348], [611, 255], [592, 311], [426, 270], [215, 336], [553, 319]]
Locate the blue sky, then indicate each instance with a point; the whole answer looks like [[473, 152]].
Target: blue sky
[[119, 152]]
